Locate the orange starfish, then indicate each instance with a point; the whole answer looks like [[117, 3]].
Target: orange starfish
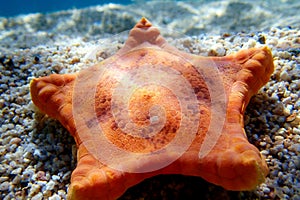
[[152, 109]]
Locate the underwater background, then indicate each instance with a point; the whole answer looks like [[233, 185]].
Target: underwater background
[[39, 38], [16, 7]]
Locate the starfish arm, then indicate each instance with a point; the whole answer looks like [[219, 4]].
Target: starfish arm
[[53, 96], [257, 67], [234, 163], [242, 74], [142, 35], [93, 180], [249, 166]]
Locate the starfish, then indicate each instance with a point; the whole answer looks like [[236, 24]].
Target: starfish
[[151, 109]]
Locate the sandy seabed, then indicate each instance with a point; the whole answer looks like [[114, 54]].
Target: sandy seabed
[[37, 153]]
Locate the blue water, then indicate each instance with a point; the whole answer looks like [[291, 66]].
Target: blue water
[[10, 8]]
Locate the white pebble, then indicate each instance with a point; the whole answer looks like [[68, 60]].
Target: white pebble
[[278, 137], [296, 131], [287, 111], [16, 119], [287, 100], [66, 176], [4, 186], [10, 126], [3, 178], [16, 180], [284, 76], [4, 128], [38, 196], [262, 144], [265, 152], [17, 171], [50, 185], [15, 140], [37, 153], [266, 190], [28, 173], [55, 197], [61, 192], [34, 189], [55, 178]]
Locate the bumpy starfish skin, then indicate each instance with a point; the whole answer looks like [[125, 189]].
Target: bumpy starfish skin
[[232, 163]]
